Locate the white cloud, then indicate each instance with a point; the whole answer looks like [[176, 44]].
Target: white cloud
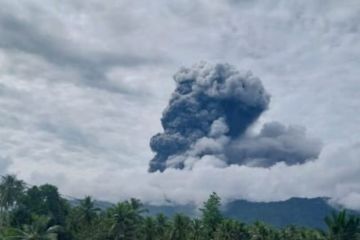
[[324, 177], [4, 164]]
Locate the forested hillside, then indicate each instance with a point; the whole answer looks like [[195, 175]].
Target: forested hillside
[[304, 212]]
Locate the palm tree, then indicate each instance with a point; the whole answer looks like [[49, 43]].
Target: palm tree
[[87, 210], [126, 217], [162, 226], [261, 231], [38, 230], [150, 232], [231, 230], [11, 190], [180, 228], [197, 229], [342, 226], [137, 206]]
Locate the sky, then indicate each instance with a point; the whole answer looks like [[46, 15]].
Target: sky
[[83, 85]]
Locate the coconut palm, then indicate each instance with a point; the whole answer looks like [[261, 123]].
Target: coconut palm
[[38, 230], [149, 230], [162, 226], [197, 229], [342, 226], [11, 190], [180, 228], [261, 231], [231, 230], [87, 210], [126, 217]]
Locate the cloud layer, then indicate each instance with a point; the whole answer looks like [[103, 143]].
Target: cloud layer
[[323, 177]]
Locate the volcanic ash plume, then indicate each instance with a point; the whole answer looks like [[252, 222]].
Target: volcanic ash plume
[[208, 115], [275, 143]]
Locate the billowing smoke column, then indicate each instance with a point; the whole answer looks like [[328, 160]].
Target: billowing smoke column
[[208, 115]]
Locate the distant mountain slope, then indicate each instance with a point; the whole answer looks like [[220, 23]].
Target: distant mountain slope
[[171, 210], [297, 211], [307, 212], [103, 205]]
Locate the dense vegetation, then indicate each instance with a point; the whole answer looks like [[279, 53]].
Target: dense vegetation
[[40, 213]]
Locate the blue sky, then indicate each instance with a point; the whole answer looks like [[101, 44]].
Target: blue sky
[[83, 85]]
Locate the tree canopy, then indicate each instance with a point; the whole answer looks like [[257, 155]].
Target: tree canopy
[[41, 213]]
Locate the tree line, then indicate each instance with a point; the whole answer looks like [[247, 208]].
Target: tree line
[[41, 213]]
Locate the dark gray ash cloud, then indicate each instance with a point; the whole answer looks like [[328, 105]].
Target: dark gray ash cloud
[[210, 112], [275, 143]]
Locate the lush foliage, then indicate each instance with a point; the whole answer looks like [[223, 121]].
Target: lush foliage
[[40, 213]]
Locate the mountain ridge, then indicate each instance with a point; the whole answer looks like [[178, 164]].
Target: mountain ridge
[[305, 212]]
